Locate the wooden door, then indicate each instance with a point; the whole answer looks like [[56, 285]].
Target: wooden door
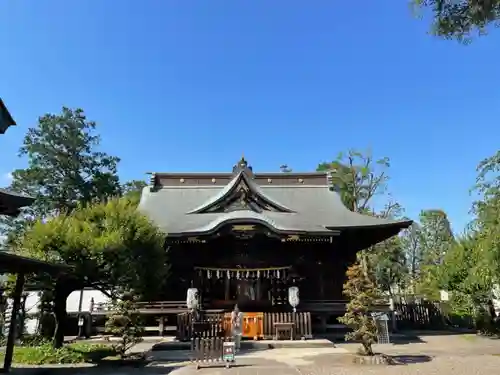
[[253, 325]]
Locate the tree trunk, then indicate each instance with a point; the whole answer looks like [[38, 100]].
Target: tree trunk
[[367, 348], [61, 294]]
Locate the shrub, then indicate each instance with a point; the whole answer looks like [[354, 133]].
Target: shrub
[[45, 354], [125, 323]]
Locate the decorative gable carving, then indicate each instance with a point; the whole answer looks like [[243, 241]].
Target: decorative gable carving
[[242, 193], [243, 198]]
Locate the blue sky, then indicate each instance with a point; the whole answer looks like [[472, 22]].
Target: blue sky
[[191, 85]]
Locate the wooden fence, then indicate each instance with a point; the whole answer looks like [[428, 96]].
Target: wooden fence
[[215, 325], [301, 320], [207, 350], [424, 315], [210, 324]]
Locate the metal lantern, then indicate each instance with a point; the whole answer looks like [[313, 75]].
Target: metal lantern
[[293, 297], [192, 298]]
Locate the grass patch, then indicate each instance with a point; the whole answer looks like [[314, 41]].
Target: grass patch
[[44, 354]]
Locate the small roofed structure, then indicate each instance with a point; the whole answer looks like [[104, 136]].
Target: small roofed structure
[[246, 238], [6, 119], [11, 202], [11, 263], [10, 205]]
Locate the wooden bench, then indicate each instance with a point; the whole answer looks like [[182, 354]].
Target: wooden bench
[[285, 329]]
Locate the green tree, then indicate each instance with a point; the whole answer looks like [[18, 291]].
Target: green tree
[[65, 168], [411, 245], [112, 247], [436, 240], [387, 259], [133, 189], [461, 18], [363, 295], [358, 178], [487, 211]]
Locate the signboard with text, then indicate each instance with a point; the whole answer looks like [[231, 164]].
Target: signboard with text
[[228, 351]]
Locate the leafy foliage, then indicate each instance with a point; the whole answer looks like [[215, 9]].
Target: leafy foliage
[[65, 168], [45, 354], [362, 294], [436, 241], [125, 323], [132, 190], [461, 18], [111, 247], [358, 178], [108, 244]]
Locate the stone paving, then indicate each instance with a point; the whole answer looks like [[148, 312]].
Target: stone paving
[[431, 354]]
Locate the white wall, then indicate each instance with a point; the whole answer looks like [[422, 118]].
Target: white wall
[[33, 300]]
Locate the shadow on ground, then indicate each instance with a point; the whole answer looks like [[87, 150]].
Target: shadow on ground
[[406, 339], [97, 370], [442, 332], [411, 359]]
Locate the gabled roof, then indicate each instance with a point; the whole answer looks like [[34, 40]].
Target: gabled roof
[[298, 209], [240, 178]]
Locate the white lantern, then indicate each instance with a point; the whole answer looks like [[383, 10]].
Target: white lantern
[[192, 299], [293, 297]]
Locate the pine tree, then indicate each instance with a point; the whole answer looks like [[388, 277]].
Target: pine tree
[[363, 294]]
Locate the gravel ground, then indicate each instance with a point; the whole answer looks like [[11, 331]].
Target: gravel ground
[[429, 355], [437, 354]]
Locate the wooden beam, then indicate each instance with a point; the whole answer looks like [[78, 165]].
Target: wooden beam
[[9, 350]]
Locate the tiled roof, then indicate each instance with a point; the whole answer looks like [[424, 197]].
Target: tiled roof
[[305, 209]]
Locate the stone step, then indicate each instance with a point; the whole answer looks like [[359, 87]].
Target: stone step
[[249, 345]]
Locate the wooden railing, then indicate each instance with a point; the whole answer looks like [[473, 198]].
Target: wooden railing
[[332, 306], [159, 307], [216, 324], [323, 305]]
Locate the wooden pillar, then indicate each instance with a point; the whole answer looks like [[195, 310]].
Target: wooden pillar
[[257, 290], [9, 350], [161, 325], [227, 288], [321, 281]]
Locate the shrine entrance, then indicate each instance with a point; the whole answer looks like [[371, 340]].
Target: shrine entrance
[[252, 289]]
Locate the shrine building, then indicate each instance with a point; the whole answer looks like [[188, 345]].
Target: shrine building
[[245, 238]]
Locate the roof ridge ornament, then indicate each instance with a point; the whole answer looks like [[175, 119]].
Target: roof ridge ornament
[[242, 166]]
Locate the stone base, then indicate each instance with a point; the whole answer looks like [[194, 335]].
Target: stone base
[[377, 359]]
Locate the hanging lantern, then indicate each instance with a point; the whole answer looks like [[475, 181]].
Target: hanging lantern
[[218, 274], [228, 274], [192, 298], [293, 297], [258, 273]]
